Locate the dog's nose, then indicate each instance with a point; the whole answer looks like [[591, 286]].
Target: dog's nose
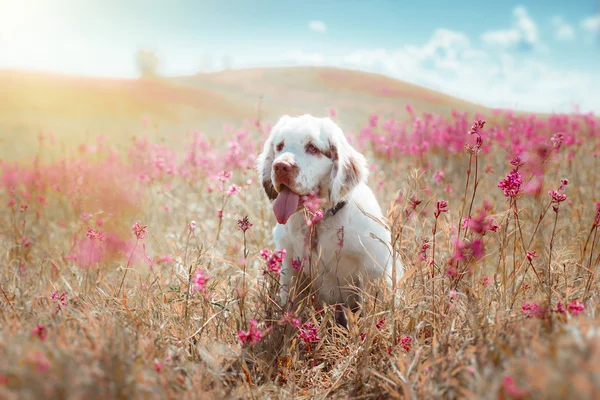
[[283, 168]]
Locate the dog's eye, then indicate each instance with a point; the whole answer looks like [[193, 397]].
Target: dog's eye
[[279, 146], [311, 149]]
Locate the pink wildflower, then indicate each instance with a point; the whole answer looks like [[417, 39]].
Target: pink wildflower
[[512, 389], [139, 230], [94, 235], [405, 343], [380, 323], [244, 224], [60, 299], [291, 319], [224, 176], [199, 281], [273, 260], [311, 201], [576, 307], [309, 333], [158, 366], [477, 248], [192, 226], [297, 264], [39, 360], [233, 190], [442, 207], [315, 218], [511, 185], [253, 335], [40, 331], [25, 241], [532, 310], [531, 255], [438, 177], [557, 139]]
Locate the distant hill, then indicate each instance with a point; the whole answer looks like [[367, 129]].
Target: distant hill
[[80, 108]]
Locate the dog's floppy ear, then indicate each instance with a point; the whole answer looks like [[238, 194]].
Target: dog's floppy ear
[[349, 166], [264, 161]]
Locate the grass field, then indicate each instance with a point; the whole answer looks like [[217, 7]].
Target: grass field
[[133, 227]]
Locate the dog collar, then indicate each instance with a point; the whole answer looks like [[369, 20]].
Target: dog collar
[[333, 210]]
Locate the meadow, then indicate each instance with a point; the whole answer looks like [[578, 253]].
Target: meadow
[[145, 268]]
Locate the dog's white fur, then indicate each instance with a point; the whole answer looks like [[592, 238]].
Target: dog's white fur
[[338, 172]]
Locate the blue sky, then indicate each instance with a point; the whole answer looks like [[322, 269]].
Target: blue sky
[[532, 55]]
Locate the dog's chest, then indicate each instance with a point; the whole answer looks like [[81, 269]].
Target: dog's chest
[[322, 243]]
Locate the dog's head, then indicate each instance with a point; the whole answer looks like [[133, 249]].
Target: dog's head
[[305, 155]]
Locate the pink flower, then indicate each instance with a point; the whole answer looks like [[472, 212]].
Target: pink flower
[[139, 230], [244, 224], [94, 235], [477, 248], [24, 207], [233, 190], [199, 281], [556, 196], [373, 120], [192, 226], [253, 335], [315, 218], [532, 310], [480, 223], [309, 333], [157, 365], [297, 264], [438, 176], [40, 331], [39, 361], [442, 207], [291, 319], [405, 343], [224, 176], [25, 241], [273, 260], [576, 307], [511, 184], [312, 202], [557, 139], [512, 389], [60, 299], [531, 255], [380, 323], [167, 207]]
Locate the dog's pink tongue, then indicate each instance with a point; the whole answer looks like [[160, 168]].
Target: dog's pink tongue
[[286, 204]]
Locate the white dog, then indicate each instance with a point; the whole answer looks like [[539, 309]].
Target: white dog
[[306, 155]]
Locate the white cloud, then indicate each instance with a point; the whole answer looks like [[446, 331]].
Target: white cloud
[[317, 26], [592, 23], [563, 31], [524, 32], [449, 63], [503, 38]]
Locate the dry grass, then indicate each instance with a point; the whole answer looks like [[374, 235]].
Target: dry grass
[[447, 333]]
